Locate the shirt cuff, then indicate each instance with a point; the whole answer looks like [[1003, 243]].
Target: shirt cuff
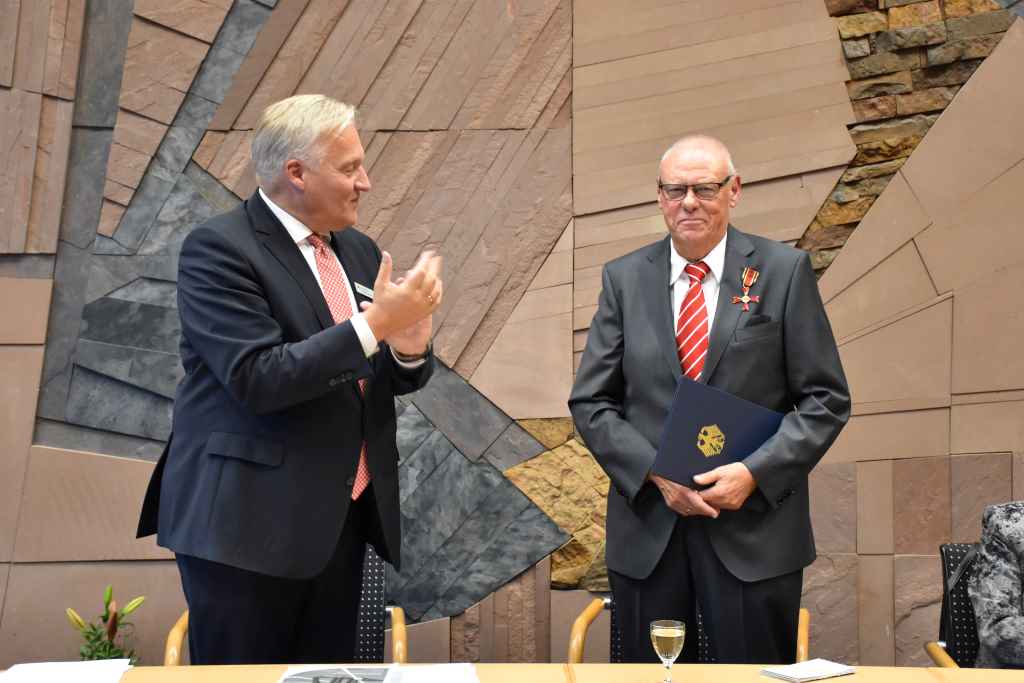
[[408, 365], [365, 334]]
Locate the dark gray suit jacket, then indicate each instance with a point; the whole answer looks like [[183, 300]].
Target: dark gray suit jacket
[[780, 354]]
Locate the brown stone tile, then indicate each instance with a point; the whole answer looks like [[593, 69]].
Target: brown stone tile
[[980, 24], [198, 18], [963, 8], [977, 240], [5, 570], [975, 47], [34, 627], [50, 173], [110, 218], [830, 595], [891, 362], [856, 25], [885, 62], [466, 635], [932, 99], [543, 303], [64, 519], [24, 310], [982, 111], [918, 581], [20, 112], [565, 607], [978, 481], [874, 108], [876, 621], [30, 56], [834, 507], [1018, 476], [557, 270], [896, 284], [892, 221], [72, 52], [117, 193], [889, 84], [986, 356], [987, 428], [915, 14], [159, 66], [922, 519], [904, 435], [875, 507], [21, 368], [430, 642], [8, 41], [58, 13], [551, 432]]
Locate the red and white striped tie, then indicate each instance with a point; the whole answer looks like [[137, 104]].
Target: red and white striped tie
[[692, 324], [336, 293]]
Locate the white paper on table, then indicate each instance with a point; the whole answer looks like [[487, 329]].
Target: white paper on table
[[433, 673], [328, 673], [100, 671], [811, 670]]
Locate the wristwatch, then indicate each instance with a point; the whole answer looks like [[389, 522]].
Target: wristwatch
[[407, 358]]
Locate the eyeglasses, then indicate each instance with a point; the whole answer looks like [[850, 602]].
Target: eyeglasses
[[705, 191]]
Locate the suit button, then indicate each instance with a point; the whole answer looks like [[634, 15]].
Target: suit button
[[332, 382], [351, 481], [346, 377]]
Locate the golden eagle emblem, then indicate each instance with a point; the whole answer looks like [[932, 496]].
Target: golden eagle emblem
[[710, 440]]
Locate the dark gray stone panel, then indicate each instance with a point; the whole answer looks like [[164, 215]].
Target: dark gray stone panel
[[422, 462], [185, 133], [412, 430], [153, 371], [79, 438], [104, 403], [146, 203], [268, 3], [461, 412], [217, 72], [515, 445], [216, 195], [107, 273], [104, 246], [125, 323], [146, 291], [184, 209], [83, 191], [243, 24], [30, 266], [104, 40]]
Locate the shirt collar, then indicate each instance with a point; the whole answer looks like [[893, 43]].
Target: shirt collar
[[296, 229], [715, 261]]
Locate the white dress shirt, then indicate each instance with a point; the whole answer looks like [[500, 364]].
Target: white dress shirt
[[300, 234], [715, 260]]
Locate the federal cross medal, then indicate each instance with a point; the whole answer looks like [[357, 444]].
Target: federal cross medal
[[710, 440], [749, 278]]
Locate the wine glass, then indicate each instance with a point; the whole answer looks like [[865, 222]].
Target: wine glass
[[667, 637]]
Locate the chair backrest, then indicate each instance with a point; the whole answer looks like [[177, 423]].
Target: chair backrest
[[956, 623], [615, 652], [370, 628]]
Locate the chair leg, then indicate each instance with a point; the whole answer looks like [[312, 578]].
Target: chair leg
[[578, 635], [803, 635], [939, 655], [176, 640], [399, 637]]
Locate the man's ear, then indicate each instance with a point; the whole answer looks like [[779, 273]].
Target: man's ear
[[734, 192], [295, 174]]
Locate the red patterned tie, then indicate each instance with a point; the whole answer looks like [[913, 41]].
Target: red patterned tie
[[336, 292], [692, 325]]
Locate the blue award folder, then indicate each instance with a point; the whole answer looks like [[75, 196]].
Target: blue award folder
[[707, 427]]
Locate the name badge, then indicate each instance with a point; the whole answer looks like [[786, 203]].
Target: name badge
[[364, 290]]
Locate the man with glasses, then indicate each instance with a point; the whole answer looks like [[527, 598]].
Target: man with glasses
[[743, 314]]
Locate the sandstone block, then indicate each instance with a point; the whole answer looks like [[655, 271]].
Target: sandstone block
[[915, 14], [858, 173], [857, 25], [858, 47], [820, 260], [889, 84], [159, 65], [948, 74], [975, 47], [875, 108], [552, 432], [963, 8], [932, 99], [914, 36], [833, 213], [979, 24], [839, 7], [885, 63], [882, 150], [871, 132]]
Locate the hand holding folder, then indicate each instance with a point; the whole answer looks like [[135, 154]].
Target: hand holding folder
[[706, 428]]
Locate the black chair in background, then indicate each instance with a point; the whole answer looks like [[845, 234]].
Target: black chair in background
[[957, 646]]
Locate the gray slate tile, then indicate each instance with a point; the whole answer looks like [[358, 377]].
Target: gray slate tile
[[70, 276], [412, 430], [421, 464], [153, 371], [126, 323], [83, 190], [30, 266], [79, 438], [515, 445], [185, 133], [149, 198], [104, 403], [104, 40], [146, 291], [216, 195], [243, 24], [461, 412]]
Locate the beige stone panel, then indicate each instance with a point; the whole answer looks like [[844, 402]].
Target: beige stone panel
[[24, 310], [889, 224], [987, 428], [876, 621], [50, 173], [986, 351], [896, 284], [82, 506], [58, 12], [159, 65], [557, 270], [980, 238], [875, 507], [834, 507], [72, 49], [4, 572], [543, 303], [1018, 476], [198, 18], [35, 629], [567, 241], [19, 111], [581, 317], [922, 516], [600, 254], [117, 193], [565, 607], [893, 435], [8, 40], [918, 602], [907, 359], [973, 130], [978, 481], [30, 57], [21, 368], [429, 642], [830, 595], [536, 389], [987, 397]]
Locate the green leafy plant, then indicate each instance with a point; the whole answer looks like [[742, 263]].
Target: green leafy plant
[[109, 637]]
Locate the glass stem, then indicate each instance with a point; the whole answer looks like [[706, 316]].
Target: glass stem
[[668, 672]]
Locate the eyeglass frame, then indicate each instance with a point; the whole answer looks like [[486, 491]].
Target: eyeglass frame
[[694, 186]]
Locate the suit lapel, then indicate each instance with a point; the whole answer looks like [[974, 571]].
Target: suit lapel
[[280, 244], [657, 292], [737, 252]]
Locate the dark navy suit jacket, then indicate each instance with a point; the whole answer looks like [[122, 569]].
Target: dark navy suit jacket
[[269, 419]]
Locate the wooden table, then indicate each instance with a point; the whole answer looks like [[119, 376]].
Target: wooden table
[[592, 673]]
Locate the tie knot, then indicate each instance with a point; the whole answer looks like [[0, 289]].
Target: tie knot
[[318, 242], [697, 271]]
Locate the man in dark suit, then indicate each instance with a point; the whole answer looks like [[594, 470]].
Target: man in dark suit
[[736, 549], [282, 462]]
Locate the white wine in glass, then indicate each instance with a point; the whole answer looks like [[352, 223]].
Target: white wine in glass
[[667, 637]]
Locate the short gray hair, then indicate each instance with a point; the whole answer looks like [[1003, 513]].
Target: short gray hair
[[704, 139], [291, 129]]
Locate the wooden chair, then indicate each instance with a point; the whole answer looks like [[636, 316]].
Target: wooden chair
[[957, 645], [578, 634], [372, 611]]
